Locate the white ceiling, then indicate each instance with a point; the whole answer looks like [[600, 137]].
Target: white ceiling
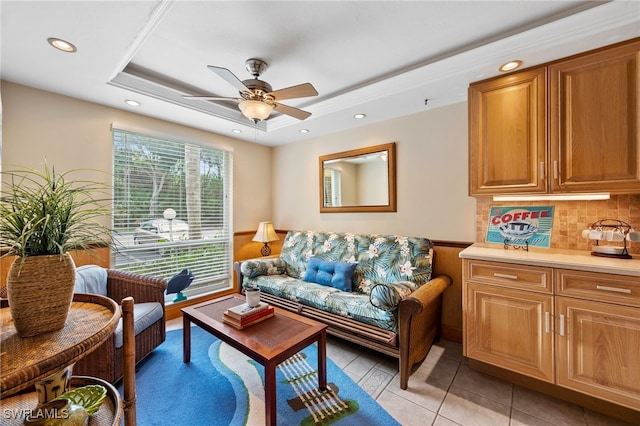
[[381, 58]]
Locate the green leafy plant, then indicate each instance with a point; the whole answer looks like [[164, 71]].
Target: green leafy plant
[[44, 213]]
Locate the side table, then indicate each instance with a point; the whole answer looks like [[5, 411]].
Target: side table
[[91, 320]]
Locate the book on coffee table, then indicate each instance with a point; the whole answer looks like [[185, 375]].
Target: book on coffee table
[[249, 320], [244, 310]]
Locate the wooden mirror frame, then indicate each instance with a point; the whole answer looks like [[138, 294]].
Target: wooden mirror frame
[[391, 179]]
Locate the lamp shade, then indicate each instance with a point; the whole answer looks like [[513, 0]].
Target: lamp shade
[[265, 233], [255, 110]]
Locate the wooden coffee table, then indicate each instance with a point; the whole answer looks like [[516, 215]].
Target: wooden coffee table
[[269, 342]]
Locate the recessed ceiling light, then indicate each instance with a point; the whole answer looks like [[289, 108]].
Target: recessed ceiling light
[[360, 115], [510, 66], [60, 44], [304, 130], [236, 131], [132, 102]]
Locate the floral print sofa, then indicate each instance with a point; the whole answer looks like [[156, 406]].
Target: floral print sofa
[[374, 290]]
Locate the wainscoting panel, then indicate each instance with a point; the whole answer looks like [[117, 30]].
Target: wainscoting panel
[[448, 262]]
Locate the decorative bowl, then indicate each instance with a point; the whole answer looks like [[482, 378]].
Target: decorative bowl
[[90, 397]]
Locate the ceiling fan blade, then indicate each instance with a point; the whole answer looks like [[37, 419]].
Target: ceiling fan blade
[[299, 91], [211, 98], [230, 78], [293, 112]]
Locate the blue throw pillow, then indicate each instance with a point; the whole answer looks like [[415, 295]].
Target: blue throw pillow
[[314, 269], [330, 273]]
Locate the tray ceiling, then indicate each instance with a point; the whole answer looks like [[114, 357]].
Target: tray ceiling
[[381, 58]]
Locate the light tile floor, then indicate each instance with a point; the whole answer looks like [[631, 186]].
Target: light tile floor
[[444, 391]]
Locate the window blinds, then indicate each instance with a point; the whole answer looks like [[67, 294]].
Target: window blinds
[[151, 177]]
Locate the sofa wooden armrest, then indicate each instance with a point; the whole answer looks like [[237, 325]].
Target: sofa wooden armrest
[[419, 321], [106, 362]]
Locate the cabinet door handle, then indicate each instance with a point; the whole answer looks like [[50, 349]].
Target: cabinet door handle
[[542, 171], [561, 324], [547, 318], [613, 289], [507, 276], [555, 170]]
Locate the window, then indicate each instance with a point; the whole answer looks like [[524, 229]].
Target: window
[[172, 210], [332, 188]]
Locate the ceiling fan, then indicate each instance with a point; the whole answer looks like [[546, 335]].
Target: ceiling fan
[[257, 99]]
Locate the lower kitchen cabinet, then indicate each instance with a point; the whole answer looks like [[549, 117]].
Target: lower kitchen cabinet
[[574, 328], [510, 328], [599, 350]]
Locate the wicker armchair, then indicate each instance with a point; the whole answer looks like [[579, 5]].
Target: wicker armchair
[[106, 361]]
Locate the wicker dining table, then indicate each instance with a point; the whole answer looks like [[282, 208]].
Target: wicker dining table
[[24, 361]]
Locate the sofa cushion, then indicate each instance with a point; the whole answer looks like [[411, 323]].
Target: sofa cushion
[[351, 305], [331, 273], [286, 287], [380, 258], [393, 258], [358, 307], [144, 314], [387, 296], [298, 247], [91, 279], [253, 268]]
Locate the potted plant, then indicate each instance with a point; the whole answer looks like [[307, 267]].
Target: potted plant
[[44, 215]]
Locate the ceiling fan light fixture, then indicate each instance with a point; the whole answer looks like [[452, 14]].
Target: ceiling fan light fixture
[[255, 110]]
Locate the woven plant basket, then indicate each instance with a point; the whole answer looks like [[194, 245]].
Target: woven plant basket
[[40, 292]]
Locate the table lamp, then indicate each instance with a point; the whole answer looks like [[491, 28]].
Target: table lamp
[[265, 234]]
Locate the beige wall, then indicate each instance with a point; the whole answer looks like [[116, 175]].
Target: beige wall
[[73, 134], [432, 149]]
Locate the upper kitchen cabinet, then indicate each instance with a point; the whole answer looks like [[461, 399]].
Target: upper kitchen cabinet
[[593, 129], [566, 126], [507, 134]]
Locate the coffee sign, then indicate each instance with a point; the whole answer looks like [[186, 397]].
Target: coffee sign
[[521, 226]]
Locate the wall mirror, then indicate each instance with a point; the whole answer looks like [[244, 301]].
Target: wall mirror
[[361, 180]]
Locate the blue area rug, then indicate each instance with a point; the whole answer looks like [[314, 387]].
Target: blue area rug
[[221, 386]]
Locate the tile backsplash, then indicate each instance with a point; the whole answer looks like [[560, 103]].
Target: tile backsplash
[[571, 218]]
